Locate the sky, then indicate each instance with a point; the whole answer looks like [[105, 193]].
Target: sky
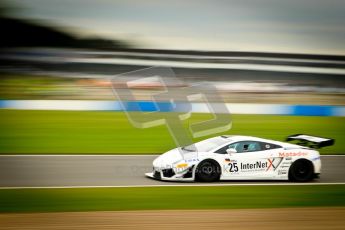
[[291, 26]]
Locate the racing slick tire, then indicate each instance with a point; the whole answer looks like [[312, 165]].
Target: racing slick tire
[[207, 171], [301, 170]]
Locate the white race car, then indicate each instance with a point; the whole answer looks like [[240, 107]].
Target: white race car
[[242, 158]]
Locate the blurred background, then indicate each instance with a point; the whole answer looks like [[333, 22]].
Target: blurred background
[[278, 65], [267, 52], [253, 51]]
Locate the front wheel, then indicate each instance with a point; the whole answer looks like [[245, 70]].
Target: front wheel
[[207, 171], [301, 171]]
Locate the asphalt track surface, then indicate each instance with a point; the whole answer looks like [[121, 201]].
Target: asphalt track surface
[[116, 171]]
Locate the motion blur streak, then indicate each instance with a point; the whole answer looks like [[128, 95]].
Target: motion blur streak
[[277, 66], [271, 219]]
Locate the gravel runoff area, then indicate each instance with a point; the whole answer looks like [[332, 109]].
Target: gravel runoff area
[[286, 218]]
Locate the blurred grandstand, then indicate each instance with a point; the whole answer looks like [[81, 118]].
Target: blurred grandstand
[[41, 62], [66, 73]]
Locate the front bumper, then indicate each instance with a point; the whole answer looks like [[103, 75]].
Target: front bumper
[[169, 175]]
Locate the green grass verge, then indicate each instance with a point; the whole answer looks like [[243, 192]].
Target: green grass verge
[[161, 198], [65, 132]]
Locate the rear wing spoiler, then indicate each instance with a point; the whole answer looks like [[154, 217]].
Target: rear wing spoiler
[[311, 141]]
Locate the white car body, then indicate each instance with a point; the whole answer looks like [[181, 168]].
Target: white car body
[[271, 162]]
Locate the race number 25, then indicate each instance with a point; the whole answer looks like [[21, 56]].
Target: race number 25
[[233, 167]]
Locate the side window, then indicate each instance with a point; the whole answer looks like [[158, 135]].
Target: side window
[[268, 146], [222, 150], [234, 145], [248, 146]]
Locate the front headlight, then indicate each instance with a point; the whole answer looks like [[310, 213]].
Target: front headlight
[[182, 165], [181, 168]]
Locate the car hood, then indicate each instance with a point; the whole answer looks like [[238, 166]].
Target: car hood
[[169, 158]]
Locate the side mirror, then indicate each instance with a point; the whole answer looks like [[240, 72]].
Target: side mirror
[[231, 150]]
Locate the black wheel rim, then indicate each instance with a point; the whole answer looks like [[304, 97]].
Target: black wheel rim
[[302, 171], [208, 170]]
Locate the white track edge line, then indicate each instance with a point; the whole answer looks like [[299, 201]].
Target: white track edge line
[[78, 155], [173, 185], [105, 155]]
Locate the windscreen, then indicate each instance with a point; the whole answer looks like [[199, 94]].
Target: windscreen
[[207, 145]]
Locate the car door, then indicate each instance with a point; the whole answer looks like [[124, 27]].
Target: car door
[[252, 160]]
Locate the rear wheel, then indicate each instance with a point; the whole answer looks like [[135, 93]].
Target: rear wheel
[[207, 171], [301, 171]]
